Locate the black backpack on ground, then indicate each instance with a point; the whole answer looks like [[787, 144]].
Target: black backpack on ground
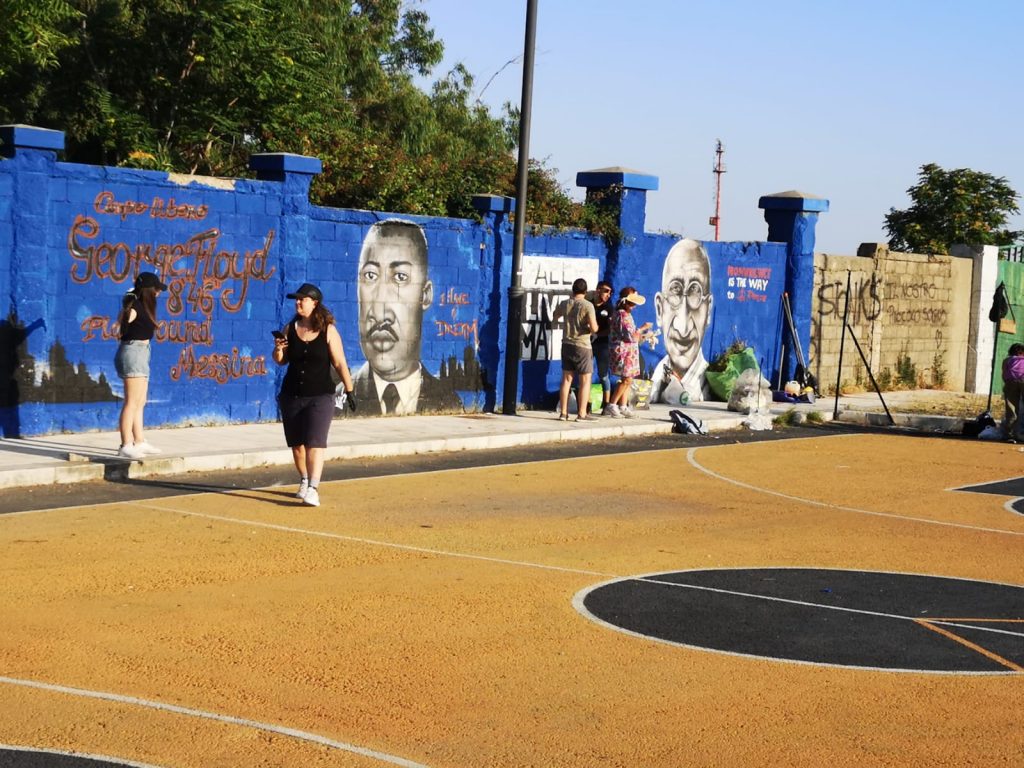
[[686, 425]]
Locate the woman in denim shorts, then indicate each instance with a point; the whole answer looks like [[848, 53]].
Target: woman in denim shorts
[[138, 324]]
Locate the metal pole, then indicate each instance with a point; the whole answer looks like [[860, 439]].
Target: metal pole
[[514, 329], [842, 343]]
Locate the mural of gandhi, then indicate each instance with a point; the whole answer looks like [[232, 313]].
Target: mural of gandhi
[[394, 291], [683, 307]]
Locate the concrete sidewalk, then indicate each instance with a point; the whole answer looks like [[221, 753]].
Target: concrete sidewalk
[[72, 458]]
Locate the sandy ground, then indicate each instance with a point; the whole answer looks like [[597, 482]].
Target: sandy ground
[[429, 619]]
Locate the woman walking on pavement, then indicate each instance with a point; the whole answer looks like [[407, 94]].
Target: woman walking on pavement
[[310, 345], [625, 351], [138, 324]]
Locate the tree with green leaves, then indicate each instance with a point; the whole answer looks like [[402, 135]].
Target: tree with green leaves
[[949, 207], [197, 86]]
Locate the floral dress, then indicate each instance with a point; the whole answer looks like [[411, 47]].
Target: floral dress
[[625, 351]]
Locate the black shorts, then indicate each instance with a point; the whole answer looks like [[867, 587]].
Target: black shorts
[[577, 359], [307, 420]]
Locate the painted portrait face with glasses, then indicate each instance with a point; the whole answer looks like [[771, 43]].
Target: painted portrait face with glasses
[[683, 304]]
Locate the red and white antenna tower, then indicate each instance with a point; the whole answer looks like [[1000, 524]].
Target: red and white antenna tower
[[718, 170]]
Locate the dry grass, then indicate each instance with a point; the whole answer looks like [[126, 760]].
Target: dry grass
[[961, 405]]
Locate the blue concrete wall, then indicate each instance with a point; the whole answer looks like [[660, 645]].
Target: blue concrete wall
[[73, 237]]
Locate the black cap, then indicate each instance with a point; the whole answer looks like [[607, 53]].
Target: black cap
[[307, 289], [149, 280]]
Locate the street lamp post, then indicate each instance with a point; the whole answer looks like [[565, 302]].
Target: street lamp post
[[514, 329]]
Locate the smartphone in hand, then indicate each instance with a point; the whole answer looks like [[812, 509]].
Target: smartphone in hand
[[278, 335]]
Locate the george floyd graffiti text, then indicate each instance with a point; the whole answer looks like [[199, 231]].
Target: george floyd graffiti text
[[200, 274]]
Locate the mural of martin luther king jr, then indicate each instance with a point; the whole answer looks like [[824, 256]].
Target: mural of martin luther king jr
[[394, 291]]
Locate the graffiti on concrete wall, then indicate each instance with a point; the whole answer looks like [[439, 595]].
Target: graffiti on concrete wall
[[201, 276], [865, 299], [914, 302], [547, 280]]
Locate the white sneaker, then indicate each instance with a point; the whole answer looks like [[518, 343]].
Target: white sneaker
[[303, 488], [130, 452], [312, 498], [147, 449], [612, 410], [627, 412]]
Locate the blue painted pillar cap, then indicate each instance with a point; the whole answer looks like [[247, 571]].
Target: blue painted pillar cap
[[793, 200], [485, 204], [274, 166], [15, 137], [631, 198], [606, 177]]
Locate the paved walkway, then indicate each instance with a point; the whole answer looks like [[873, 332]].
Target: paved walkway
[[72, 458]]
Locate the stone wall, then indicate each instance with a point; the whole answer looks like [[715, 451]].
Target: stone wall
[[910, 313]]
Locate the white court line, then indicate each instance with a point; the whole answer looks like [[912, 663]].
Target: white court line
[[371, 542], [83, 755], [269, 727], [240, 492], [839, 507], [804, 603], [579, 598], [561, 569]]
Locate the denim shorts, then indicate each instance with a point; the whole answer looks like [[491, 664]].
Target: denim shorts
[[132, 359]]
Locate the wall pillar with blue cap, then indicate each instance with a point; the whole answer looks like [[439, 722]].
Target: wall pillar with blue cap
[[29, 158], [294, 174], [496, 243], [624, 191], [792, 217]]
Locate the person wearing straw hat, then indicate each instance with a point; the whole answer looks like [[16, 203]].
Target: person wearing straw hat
[[625, 351]]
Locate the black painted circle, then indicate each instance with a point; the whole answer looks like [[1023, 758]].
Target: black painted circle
[[891, 621], [24, 758]]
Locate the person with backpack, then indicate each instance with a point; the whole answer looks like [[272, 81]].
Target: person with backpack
[[1013, 388]]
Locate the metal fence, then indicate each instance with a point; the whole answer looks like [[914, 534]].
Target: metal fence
[[1013, 252]]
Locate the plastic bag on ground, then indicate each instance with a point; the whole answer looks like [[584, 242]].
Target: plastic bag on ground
[[750, 393], [721, 383], [761, 421], [994, 432]]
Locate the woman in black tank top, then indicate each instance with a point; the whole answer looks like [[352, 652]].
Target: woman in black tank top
[[138, 324], [310, 346]]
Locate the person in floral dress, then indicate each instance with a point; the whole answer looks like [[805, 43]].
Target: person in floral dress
[[625, 351]]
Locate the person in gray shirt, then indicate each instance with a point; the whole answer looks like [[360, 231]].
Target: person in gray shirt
[[577, 356]]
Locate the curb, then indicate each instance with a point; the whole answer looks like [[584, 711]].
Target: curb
[[921, 422]]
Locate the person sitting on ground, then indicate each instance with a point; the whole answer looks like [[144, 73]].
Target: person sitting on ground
[[1013, 388]]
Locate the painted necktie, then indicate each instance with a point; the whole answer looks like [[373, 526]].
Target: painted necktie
[[391, 398]]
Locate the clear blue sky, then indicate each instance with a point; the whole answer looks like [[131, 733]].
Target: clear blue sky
[[841, 100]]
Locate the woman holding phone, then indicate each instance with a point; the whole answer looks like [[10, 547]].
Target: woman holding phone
[[310, 346]]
